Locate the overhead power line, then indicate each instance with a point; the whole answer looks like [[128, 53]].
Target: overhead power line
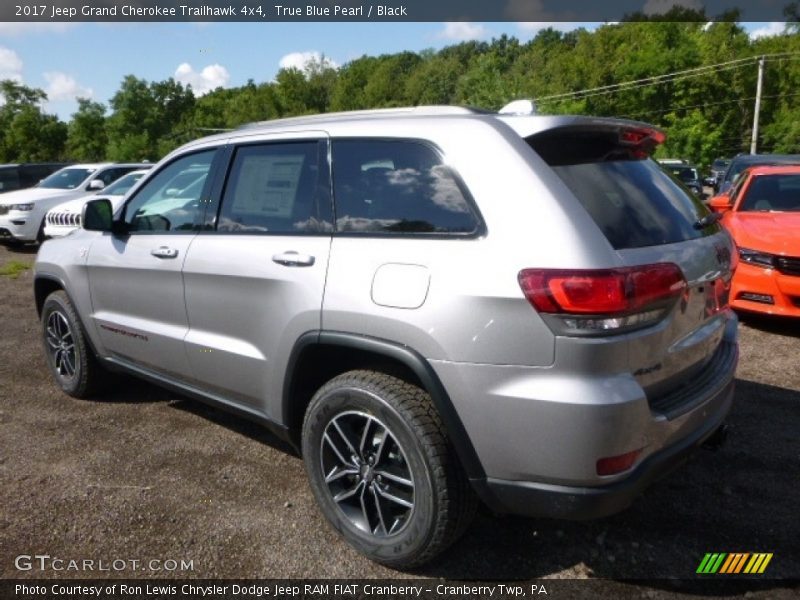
[[706, 105], [667, 77]]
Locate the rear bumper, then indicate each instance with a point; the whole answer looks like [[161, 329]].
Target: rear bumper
[[570, 502], [539, 433]]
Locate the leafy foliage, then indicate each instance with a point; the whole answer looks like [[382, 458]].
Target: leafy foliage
[[706, 112], [87, 139], [26, 132]]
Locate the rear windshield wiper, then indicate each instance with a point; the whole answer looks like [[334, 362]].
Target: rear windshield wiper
[[707, 221]]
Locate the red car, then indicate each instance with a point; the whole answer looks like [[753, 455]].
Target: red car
[[762, 213]]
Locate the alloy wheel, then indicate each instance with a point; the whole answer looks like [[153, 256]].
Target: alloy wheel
[[61, 345], [367, 474]]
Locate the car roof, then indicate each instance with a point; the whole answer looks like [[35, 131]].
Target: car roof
[[774, 170], [102, 165], [766, 158], [338, 123], [88, 165]]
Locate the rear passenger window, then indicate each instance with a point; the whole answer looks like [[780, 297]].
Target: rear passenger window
[[397, 187], [276, 188]]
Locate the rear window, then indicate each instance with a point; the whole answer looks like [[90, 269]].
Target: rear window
[[632, 200]]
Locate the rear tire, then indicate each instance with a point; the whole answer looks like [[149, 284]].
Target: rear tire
[[382, 469], [69, 356]]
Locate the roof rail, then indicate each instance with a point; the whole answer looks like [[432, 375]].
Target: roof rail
[[423, 111]]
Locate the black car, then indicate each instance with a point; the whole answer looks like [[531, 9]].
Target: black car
[[25, 175], [718, 168], [743, 161], [688, 176]]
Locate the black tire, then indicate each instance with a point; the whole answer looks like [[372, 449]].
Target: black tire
[[396, 424], [69, 356], [13, 243]]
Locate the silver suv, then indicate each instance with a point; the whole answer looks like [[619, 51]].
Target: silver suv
[[436, 306]]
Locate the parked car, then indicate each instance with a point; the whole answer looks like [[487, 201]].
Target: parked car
[[743, 161], [434, 305], [25, 175], [66, 217], [687, 175], [718, 168], [763, 216], [673, 161], [22, 212]]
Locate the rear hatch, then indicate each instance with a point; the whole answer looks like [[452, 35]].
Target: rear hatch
[[671, 301]]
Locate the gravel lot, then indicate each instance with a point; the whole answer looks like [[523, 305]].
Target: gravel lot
[[144, 474]]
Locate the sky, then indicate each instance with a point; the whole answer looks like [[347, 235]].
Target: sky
[[89, 60]]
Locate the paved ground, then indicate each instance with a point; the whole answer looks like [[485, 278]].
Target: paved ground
[[146, 475]]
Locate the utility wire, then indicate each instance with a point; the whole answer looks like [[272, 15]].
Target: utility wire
[[614, 87], [706, 105], [668, 77]]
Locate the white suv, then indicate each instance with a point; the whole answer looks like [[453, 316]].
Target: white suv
[[22, 212], [65, 218]]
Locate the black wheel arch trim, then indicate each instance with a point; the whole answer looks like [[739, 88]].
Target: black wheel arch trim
[[62, 286], [411, 359], [53, 279]]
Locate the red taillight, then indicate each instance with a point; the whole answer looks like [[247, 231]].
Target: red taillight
[[606, 292], [636, 137], [617, 464]]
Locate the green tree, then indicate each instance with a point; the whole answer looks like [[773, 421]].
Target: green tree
[[348, 91], [26, 132], [35, 136], [147, 118], [489, 81], [321, 77], [86, 136], [293, 91], [434, 80], [386, 85]]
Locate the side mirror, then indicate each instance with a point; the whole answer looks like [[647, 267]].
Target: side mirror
[[97, 215], [720, 203], [96, 184]]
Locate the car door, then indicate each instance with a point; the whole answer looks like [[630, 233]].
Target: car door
[[254, 282], [135, 278]]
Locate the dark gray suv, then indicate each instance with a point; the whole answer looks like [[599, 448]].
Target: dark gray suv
[[436, 306]]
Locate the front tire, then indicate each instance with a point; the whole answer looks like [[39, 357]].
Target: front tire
[[71, 360], [382, 470]]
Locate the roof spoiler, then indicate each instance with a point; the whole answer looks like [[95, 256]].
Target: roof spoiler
[[519, 107]]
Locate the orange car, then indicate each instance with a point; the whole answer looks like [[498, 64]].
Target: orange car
[[762, 213]]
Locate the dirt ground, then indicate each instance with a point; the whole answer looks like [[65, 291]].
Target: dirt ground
[[145, 475]]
